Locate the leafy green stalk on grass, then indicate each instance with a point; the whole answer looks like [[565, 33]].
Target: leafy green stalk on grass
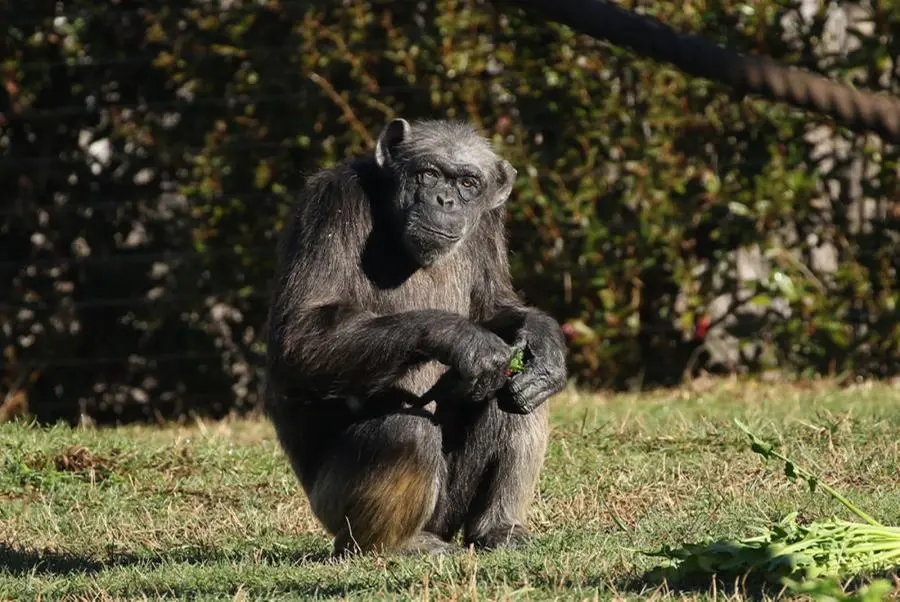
[[807, 558], [827, 590], [792, 471]]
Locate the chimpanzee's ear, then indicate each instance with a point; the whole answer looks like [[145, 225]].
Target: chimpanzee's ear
[[395, 132], [505, 178]]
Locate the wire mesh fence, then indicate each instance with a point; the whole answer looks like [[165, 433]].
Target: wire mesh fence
[[149, 155]]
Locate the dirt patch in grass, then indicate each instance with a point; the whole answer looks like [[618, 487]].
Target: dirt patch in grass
[[80, 460]]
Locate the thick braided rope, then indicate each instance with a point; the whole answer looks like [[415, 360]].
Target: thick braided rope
[[698, 56]]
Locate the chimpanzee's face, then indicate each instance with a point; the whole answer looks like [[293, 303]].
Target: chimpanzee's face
[[447, 176]]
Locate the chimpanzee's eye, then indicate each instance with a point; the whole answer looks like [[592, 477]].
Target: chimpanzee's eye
[[429, 176], [468, 182]]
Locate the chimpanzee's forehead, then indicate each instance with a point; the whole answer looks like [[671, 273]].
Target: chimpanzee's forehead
[[455, 143]]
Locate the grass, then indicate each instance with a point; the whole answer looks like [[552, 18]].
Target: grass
[[211, 511]]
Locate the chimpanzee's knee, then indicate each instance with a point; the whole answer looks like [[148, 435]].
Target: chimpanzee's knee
[[380, 482]]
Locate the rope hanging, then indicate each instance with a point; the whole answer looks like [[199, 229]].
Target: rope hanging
[[858, 110]]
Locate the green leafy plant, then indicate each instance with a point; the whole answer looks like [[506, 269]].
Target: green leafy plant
[[517, 363], [793, 471], [806, 558]]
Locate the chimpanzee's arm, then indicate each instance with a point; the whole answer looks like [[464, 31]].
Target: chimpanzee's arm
[[499, 309], [542, 341], [322, 340], [335, 350]]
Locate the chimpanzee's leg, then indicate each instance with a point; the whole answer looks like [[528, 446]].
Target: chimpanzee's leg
[[380, 484], [494, 459]]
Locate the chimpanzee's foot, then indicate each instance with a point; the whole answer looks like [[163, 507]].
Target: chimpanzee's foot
[[511, 536], [426, 543], [420, 543]]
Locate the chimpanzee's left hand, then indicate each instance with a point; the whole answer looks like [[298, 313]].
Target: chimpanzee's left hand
[[545, 371]]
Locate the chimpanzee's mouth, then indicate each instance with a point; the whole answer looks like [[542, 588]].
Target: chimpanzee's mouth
[[440, 233]]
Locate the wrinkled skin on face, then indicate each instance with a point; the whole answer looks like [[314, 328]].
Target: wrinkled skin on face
[[447, 176]]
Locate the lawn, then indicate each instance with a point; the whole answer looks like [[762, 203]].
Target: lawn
[[211, 510]]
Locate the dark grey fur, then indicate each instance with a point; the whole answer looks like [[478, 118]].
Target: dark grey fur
[[391, 327]]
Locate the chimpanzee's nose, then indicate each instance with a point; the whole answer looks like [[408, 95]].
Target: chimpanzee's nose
[[444, 201]]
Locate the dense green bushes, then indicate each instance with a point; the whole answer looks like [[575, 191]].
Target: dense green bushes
[[139, 279]]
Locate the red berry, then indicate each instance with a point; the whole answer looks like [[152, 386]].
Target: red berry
[[702, 327]]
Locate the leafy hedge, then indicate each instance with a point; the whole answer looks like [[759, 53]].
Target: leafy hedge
[[151, 154]]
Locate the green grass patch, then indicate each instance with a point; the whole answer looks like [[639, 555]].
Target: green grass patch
[[212, 511]]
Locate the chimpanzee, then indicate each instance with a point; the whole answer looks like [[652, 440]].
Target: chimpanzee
[[391, 329]]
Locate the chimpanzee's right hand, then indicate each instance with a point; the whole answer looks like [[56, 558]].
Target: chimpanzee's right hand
[[480, 357], [482, 360]]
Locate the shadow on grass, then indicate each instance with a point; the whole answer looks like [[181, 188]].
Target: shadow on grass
[[50, 564], [750, 587], [24, 561], [653, 581]]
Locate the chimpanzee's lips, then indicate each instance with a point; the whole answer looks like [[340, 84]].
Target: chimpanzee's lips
[[440, 233]]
